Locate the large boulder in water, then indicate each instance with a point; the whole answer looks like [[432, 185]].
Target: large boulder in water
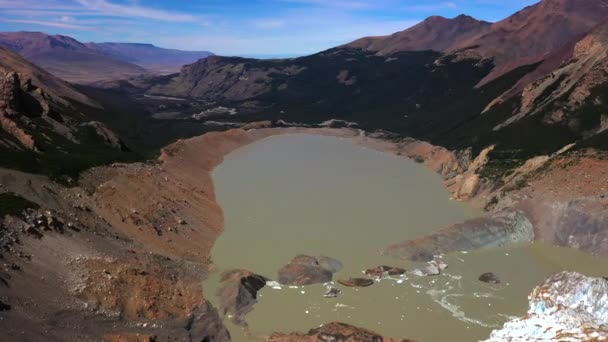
[[238, 294], [490, 278], [308, 270], [496, 230], [566, 307]]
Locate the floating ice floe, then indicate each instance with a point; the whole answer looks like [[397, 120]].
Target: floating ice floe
[[331, 292], [343, 306], [274, 285], [433, 268]]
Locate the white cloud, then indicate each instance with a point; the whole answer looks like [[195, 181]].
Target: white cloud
[[67, 19], [344, 4], [431, 7], [107, 8], [55, 24]]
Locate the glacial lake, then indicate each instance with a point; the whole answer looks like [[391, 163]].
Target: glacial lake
[[316, 195]]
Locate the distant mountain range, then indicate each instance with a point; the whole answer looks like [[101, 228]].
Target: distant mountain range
[[149, 56], [77, 62], [531, 83]]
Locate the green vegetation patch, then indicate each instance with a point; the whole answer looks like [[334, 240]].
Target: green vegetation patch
[[501, 163], [13, 204]]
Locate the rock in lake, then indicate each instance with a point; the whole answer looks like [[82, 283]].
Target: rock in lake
[[238, 293], [356, 282], [336, 332], [380, 271], [308, 270], [489, 278]]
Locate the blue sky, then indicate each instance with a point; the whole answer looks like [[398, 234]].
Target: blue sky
[[237, 27]]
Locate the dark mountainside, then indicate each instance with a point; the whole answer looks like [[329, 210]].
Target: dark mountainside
[[149, 56]]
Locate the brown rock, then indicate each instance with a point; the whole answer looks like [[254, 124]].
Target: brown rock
[[334, 332], [381, 270], [238, 294], [489, 278], [308, 270], [257, 125], [356, 282]]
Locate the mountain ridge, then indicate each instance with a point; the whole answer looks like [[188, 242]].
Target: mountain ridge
[[434, 33], [150, 56], [79, 62]]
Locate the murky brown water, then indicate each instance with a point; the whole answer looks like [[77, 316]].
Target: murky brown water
[[315, 195]]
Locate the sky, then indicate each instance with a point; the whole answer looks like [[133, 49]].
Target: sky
[[238, 27]]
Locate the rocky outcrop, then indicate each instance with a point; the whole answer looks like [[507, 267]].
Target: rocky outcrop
[[238, 294], [437, 158], [109, 137], [566, 307], [226, 78], [334, 332], [10, 90], [257, 125], [496, 230], [308, 270]]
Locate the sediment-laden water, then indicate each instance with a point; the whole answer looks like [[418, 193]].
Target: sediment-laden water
[[315, 195]]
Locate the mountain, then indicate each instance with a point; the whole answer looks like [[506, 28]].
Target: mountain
[[435, 33], [526, 37], [67, 58], [149, 56], [535, 32]]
